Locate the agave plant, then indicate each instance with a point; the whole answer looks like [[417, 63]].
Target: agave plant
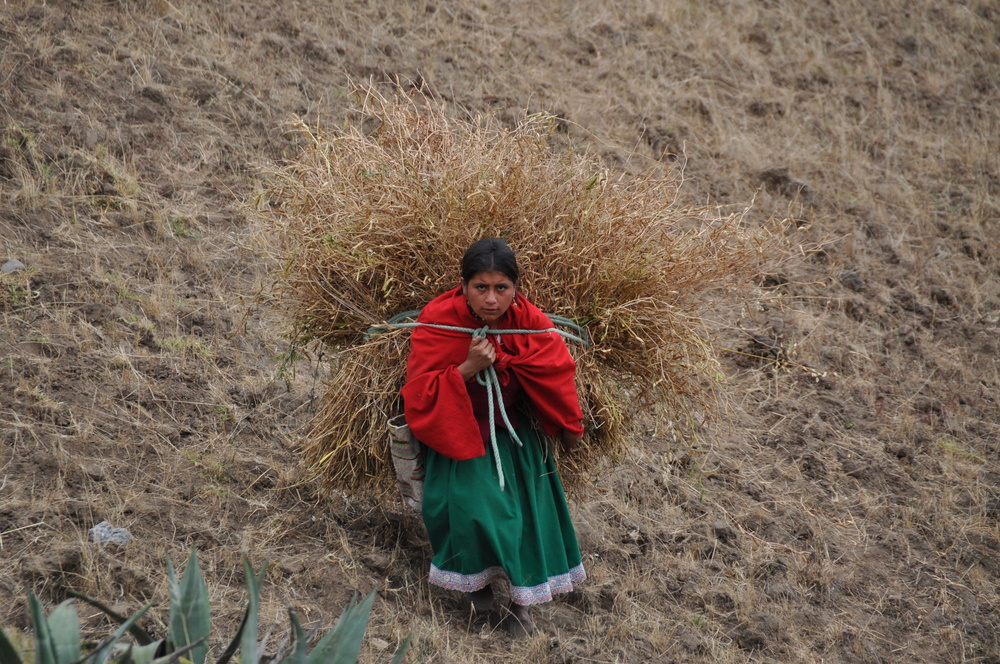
[[57, 636]]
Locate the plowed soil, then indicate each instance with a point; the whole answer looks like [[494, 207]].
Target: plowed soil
[[841, 503]]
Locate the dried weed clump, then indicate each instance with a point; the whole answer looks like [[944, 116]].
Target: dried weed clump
[[372, 221]]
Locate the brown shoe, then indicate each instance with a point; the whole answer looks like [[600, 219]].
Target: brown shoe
[[482, 599], [519, 622]]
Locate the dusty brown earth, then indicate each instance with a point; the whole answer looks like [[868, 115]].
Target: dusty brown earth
[[842, 503]]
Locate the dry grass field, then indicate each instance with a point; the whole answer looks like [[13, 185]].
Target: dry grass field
[[842, 502]]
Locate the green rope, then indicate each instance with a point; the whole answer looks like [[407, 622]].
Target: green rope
[[489, 379], [582, 337], [488, 376]]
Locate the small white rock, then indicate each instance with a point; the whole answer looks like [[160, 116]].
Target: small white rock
[[13, 265], [103, 533]]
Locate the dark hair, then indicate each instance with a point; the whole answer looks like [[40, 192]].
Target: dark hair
[[489, 255]]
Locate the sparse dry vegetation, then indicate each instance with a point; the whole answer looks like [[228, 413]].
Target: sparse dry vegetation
[[842, 508]]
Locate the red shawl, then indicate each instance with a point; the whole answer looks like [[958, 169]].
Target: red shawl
[[436, 403]]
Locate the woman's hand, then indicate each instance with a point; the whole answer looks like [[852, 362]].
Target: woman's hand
[[481, 355], [570, 441]]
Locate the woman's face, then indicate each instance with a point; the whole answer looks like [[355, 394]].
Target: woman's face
[[489, 295]]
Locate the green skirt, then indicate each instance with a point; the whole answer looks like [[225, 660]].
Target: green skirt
[[479, 533]]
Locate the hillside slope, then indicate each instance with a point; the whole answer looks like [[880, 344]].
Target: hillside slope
[[843, 504]]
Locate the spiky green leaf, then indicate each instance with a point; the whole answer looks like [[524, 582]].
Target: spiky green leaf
[[402, 650], [143, 654], [190, 620], [342, 644], [45, 652], [235, 643], [141, 636], [298, 653], [64, 630], [248, 642], [8, 653], [177, 655], [102, 652]]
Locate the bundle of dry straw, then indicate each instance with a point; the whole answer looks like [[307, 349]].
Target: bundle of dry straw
[[373, 223]]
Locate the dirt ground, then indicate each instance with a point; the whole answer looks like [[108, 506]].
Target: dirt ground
[[840, 505]]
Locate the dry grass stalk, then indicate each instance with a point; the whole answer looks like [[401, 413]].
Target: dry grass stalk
[[372, 225]]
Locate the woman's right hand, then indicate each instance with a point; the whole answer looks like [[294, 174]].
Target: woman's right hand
[[571, 441], [481, 355]]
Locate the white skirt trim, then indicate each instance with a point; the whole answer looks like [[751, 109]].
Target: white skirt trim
[[523, 595]]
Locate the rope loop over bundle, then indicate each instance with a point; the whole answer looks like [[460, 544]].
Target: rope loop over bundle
[[488, 376]]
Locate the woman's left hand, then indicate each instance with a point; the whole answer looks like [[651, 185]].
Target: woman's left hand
[[570, 441]]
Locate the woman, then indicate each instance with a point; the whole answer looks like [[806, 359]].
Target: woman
[[486, 523]]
